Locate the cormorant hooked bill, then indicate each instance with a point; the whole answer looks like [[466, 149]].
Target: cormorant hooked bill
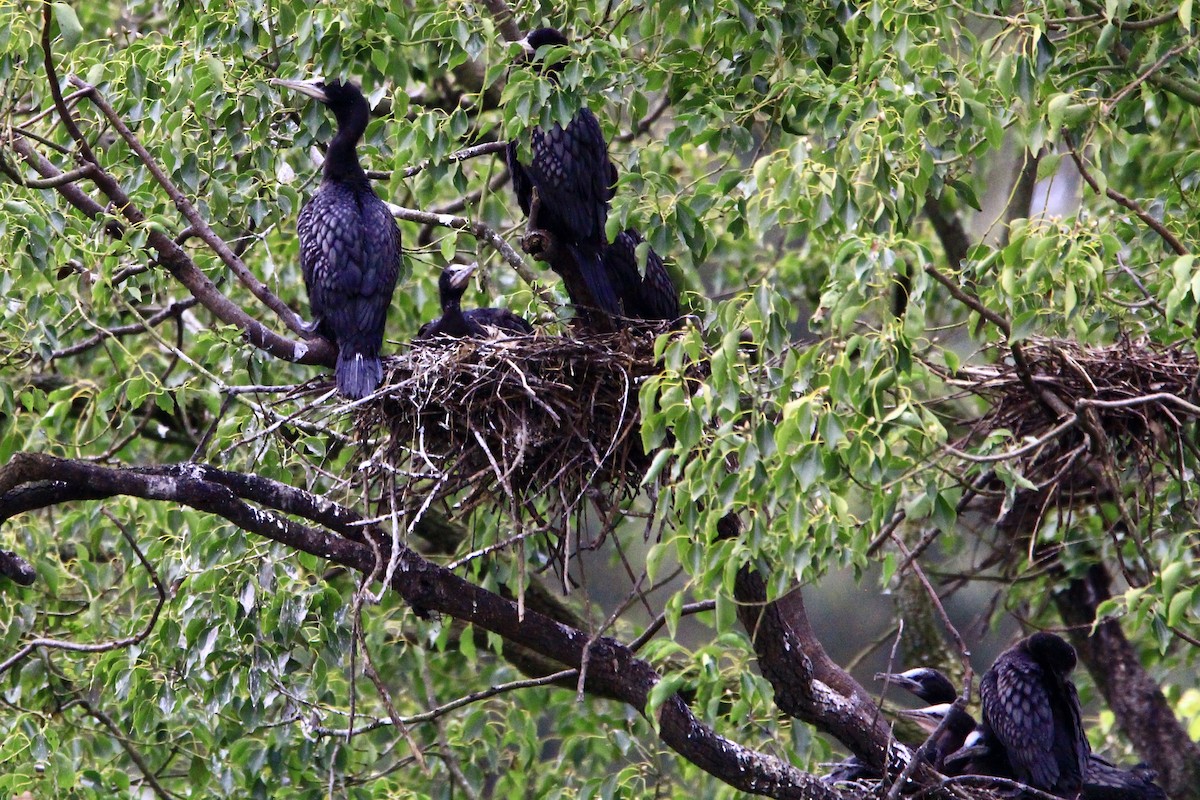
[[474, 323], [574, 180], [1031, 708], [652, 296], [349, 245]]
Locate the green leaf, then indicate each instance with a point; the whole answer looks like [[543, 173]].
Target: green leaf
[[68, 25]]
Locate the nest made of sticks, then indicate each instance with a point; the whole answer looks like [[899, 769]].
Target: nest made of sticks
[[533, 424], [1139, 394]]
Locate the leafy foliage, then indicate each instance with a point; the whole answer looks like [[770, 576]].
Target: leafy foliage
[[788, 158]]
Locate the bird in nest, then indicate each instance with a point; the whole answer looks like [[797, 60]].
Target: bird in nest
[[475, 323]]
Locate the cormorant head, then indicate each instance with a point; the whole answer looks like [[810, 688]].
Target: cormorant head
[[1051, 651], [927, 684], [543, 37], [343, 98], [453, 282]]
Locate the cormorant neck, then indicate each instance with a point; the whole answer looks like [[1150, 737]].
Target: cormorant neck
[[451, 304], [341, 161]]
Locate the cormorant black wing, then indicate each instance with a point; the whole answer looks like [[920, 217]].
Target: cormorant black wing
[[1016, 706], [500, 318], [651, 296], [350, 257]]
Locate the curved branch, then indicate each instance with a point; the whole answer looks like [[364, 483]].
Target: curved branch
[[198, 224], [613, 669], [1171, 239], [176, 260]]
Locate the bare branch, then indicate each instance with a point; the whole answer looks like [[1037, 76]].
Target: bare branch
[[178, 263], [459, 155], [199, 226], [98, 714], [480, 231], [99, 647], [1121, 200]]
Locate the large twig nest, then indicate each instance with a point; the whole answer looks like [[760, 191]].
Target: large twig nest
[[535, 424], [1119, 407], [1126, 371]]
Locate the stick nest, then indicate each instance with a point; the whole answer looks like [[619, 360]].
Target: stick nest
[[1154, 384], [533, 423]]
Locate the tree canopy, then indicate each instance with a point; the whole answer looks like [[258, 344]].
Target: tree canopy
[[943, 316]]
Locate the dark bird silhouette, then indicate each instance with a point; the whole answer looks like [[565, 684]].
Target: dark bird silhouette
[[651, 296], [959, 727], [574, 179], [1031, 708], [349, 245], [477, 323]]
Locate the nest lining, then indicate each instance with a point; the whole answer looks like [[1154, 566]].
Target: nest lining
[[534, 423]]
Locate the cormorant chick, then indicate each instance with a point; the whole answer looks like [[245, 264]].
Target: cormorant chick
[[574, 179], [924, 682], [952, 737], [349, 245], [1031, 708], [935, 688], [475, 323], [652, 296]]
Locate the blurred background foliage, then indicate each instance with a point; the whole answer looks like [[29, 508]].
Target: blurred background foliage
[[784, 157]]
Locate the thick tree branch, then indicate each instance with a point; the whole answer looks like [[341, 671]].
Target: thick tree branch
[[613, 670], [503, 15], [950, 231], [808, 684]]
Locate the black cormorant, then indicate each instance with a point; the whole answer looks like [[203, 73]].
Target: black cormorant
[[349, 245], [574, 179], [475, 322], [952, 737], [651, 296], [1031, 708]]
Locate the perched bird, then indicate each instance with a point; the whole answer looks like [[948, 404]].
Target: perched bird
[[980, 752], [652, 296], [952, 737], [1106, 781], [1031, 708], [573, 177], [475, 323], [349, 245]]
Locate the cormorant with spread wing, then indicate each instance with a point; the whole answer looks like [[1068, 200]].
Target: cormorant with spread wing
[[349, 245], [474, 323], [573, 177]]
